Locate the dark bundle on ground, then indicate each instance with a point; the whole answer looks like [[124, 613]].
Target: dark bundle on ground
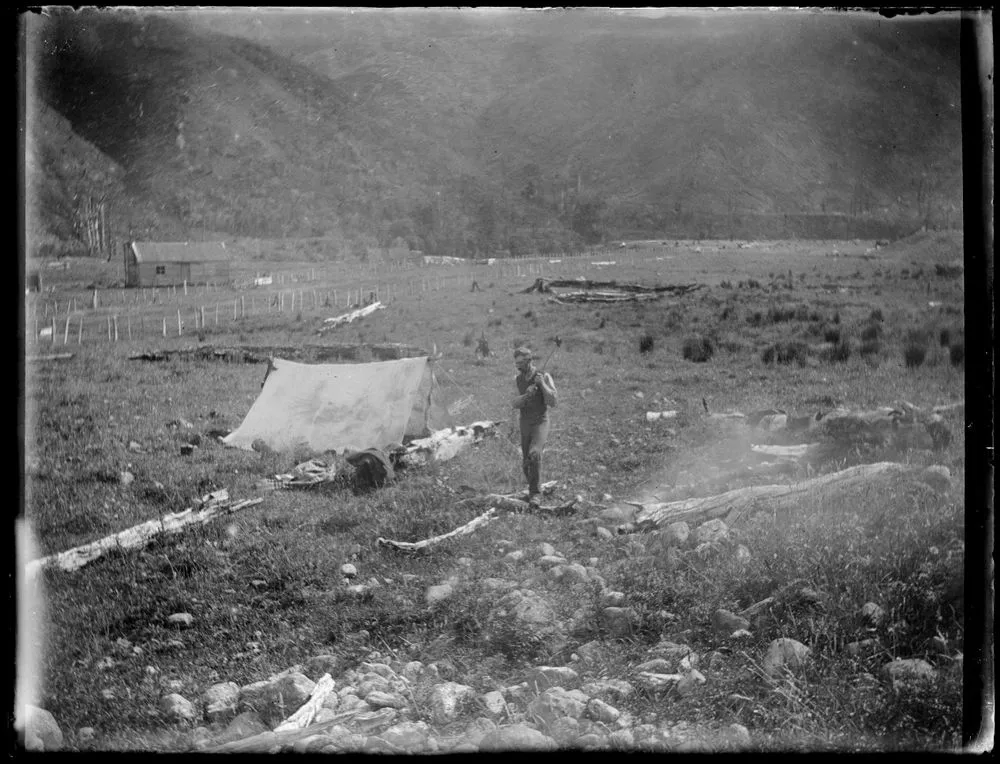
[[646, 343]]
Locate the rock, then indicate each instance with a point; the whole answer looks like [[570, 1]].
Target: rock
[[784, 654], [380, 669], [555, 703], [872, 613], [612, 599], [725, 622], [439, 593], [514, 556], [516, 737], [600, 711], [574, 573], [715, 660], [550, 560], [347, 570], [564, 731], [675, 534], [86, 734], [187, 449], [621, 740], [618, 514], [609, 689], [496, 584], [739, 735], [711, 531], [937, 476], [604, 533], [542, 678], [409, 736], [282, 697], [592, 742], [464, 747], [318, 665], [494, 704], [590, 652], [181, 620], [177, 708], [534, 610], [379, 699], [742, 554], [126, 478], [220, 701], [657, 666], [691, 682], [546, 549], [448, 700], [313, 743], [477, 729], [619, 621], [377, 744], [369, 721], [134, 447], [903, 672], [658, 681], [411, 671], [41, 733]]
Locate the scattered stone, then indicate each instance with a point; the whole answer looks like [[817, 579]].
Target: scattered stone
[[86, 734], [182, 620], [542, 678], [134, 447], [533, 610], [517, 737], [658, 681], [411, 671], [554, 703], [574, 573], [564, 731], [872, 613], [619, 621], [318, 665], [739, 735], [547, 550], [347, 570], [600, 711], [409, 736], [862, 647], [494, 704], [496, 584], [376, 744], [784, 654], [604, 533], [220, 701], [515, 556], [126, 478], [379, 699], [439, 593], [41, 733], [591, 741], [691, 682], [902, 672], [177, 708], [590, 652], [711, 531], [369, 721], [477, 729], [447, 701], [619, 514], [282, 697], [657, 666], [725, 622], [609, 689], [621, 740], [675, 534], [742, 554], [549, 560], [313, 743]]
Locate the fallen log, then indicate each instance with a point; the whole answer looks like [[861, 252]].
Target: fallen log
[[741, 502], [793, 453], [515, 504], [273, 741], [547, 285], [212, 505], [305, 715], [50, 357], [347, 318], [463, 530], [574, 297]]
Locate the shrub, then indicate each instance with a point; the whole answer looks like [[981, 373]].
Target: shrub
[[871, 347], [726, 284], [876, 315], [956, 354], [945, 337], [755, 318], [698, 349], [785, 353], [646, 343], [836, 317], [871, 332], [832, 335], [840, 352], [914, 353], [727, 313], [469, 338]]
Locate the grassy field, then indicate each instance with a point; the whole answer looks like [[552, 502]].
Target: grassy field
[[801, 326]]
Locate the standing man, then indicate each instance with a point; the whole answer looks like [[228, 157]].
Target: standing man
[[536, 394]]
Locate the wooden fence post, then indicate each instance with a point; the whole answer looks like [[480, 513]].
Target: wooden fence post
[[185, 287], [236, 304], [164, 326], [79, 332], [216, 314], [109, 328], [66, 330], [243, 306], [202, 316], [116, 327], [180, 326]]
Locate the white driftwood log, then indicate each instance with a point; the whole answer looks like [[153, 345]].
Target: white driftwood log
[[446, 444], [213, 505], [463, 530], [305, 715], [741, 500], [272, 740], [354, 315], [784, 452]]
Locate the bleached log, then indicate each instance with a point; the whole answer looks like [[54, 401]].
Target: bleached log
[[331, 351], [50, 357], [739, 502], [354, 315], [272, 740], [510, 503], [447, 443], [547, 285], [305, 715], [213, 505], [794, 453], [463, 530]]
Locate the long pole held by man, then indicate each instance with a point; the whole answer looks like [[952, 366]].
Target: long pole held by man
[[536, 395]]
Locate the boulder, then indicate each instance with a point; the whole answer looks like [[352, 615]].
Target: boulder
[[907, 672], [546, 549], [318, 665], [279, 699], [555, 703], [220, 701], [675, 535], [409, 736], [494, 704], [177, 708], [439, 593], [369, 722], [872, 613], [619, 621], [564, 731], [41, 733], [609, 689], [725, 622], [590, 652], [691, 682], [784, 654], [542, 678], [600, 711], [477, 729], [379, 699], [180, 620], [711, 531], [516, 737], [448, 700], [347, 570], [612, 599]]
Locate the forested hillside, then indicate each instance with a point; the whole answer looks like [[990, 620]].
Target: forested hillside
[[463, 132]]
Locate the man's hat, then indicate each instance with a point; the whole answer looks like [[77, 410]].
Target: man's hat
[[523, 352]]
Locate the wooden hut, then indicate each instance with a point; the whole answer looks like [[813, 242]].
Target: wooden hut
[[153, 263]]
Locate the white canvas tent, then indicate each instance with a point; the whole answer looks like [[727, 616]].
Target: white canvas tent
[[342, 407]]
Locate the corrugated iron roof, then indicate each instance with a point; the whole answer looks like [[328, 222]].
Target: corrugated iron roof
[[180, 251]]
